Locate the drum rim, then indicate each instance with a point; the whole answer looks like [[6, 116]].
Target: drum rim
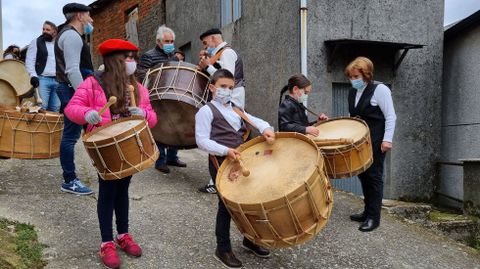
[[46, 117], [320, 163], [166, 66], [98, 129], [344, 148]]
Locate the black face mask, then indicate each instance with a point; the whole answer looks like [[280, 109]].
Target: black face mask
[[47, 37]]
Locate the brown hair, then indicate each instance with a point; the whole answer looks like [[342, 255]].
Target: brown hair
[[363, 65], [221, 73], [116, 81], [51, 24], [298, 80]]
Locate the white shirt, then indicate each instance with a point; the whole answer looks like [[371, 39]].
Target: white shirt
[[49, 70], [382, 97], [203, 126], [227, 61]]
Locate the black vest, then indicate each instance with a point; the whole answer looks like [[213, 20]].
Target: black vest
[[42, 55], [222, 132], [372, 115], [239, 80], [85, 58]]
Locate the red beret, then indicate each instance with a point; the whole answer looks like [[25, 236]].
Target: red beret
[[112, 45]]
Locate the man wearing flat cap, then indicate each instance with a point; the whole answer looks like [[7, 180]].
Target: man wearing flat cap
[[73, 65], [220, 55]]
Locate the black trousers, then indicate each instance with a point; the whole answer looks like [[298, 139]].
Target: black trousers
[[372, 183], [222, 225], [113, 196]]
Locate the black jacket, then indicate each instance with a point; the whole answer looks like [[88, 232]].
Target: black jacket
[[292, 117], [150, 59]]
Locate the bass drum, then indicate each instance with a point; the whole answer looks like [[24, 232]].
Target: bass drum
[[15, 73], [287, 198], [177, 91]]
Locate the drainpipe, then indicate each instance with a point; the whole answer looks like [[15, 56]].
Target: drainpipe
[[303, 39], [303, 36]]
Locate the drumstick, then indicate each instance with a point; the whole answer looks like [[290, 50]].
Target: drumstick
[[131, 89], [313, 113], [112, 100], [245, 171], [333, 142]]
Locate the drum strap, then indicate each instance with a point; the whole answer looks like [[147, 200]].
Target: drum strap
[[214, 161], [217, 55], [247, 120]]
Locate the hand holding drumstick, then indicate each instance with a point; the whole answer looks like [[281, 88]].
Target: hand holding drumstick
[[93, 117], [134, 110]]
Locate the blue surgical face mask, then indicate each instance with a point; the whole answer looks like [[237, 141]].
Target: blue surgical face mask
[[168, 48], [88, 28], [210, 51], [223, 95], [357, 83]]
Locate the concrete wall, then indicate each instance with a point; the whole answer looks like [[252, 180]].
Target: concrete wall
[[267, 36], [109, 22], [461, 114], [415, 88]]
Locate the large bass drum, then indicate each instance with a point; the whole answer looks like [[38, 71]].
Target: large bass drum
[[177, 91], [287, 198]]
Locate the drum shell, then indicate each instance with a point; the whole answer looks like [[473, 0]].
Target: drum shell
[[15, 73], [177, 91], [348, 160], [289, 220], [125, 154], [30, 136]]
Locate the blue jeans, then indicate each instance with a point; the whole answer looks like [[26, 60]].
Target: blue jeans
[[71, 134], [170, 155], [48, 92]]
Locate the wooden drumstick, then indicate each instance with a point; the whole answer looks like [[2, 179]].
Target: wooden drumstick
[[112, 100], [333, 142], [245, 171], [131, 89], [270, 140]]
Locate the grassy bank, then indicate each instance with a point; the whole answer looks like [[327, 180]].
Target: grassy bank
[[19, 246]]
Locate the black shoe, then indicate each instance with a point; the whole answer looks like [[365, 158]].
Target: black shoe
[[163, 168], [360, 217], [369, 225], [177, 163], [208, 189], [228, 259], [257, 250]]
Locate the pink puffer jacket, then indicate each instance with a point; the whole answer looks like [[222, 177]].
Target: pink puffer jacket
[[90, 96]]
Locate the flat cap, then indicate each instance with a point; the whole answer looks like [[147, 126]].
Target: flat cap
[[112, 45], [75, 7], [213, 31]]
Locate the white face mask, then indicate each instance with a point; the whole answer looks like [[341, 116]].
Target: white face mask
[[130, 67], [303, 98], [223, 95]]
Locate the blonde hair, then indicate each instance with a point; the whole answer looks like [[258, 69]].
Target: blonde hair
[[363, 65]]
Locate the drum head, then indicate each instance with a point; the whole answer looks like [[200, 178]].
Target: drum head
[[275, 170], [15, 73], [8, 96], [176, 124], [112, 130], [349, 128]]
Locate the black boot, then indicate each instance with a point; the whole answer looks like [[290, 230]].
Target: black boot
[[257, 250]]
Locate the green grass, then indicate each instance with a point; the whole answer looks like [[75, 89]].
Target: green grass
[[19, 247]]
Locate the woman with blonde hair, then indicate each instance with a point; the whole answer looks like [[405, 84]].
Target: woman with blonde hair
[[372, 102]]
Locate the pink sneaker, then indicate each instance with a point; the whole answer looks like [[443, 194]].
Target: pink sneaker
[[109, 256], [126, 242]]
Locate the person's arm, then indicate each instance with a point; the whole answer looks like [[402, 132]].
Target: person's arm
[[31, 58], [71, 43], [203, 127], [143, 65], [259, 123], [286, 123], [226, 61], [79, 105], [384, 100], [150, 115]]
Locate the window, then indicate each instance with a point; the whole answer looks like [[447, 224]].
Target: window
[[187, 49], [131, 26], [231, 10]]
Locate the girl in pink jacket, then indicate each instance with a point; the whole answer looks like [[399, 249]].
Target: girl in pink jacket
[[90, 97]]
